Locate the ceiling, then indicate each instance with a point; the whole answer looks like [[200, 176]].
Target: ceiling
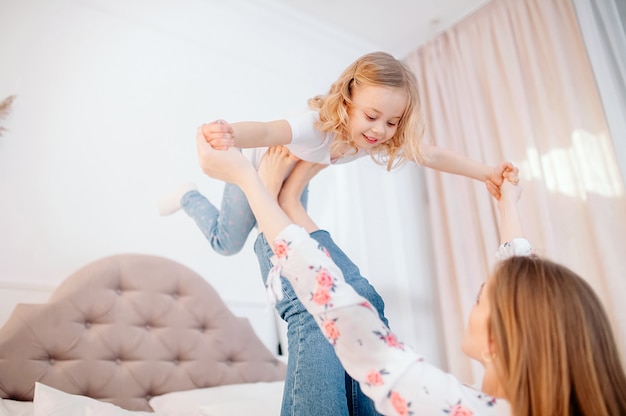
[[396, 26]]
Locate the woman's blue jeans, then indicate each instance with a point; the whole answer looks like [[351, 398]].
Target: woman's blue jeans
[[316, 383]]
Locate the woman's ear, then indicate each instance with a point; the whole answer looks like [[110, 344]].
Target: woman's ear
[[488, 356]]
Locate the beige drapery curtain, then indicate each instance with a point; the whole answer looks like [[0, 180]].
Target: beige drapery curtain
[[513, 82]]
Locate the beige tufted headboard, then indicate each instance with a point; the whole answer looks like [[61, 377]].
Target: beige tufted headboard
[[128, 327]]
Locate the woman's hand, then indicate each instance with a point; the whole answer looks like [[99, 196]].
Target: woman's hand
[[219, 134], [510, 192], [228, 164], [501, 172]]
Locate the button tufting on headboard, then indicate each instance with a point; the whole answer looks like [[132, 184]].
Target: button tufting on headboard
[[128, 327]]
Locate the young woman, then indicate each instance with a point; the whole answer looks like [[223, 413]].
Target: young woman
[[537, 327]]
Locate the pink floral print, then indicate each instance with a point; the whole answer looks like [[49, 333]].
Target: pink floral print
[[330, 330], [321, 296], [458, 410], [280, 248], [375, 377], [324, 279], [399, 404], [390, 339], [325, 284]]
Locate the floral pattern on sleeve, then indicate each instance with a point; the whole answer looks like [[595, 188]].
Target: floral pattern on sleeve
[[390, 339], [325, 285], [458, 410], [280, 249], [330, 330], [400, 404]]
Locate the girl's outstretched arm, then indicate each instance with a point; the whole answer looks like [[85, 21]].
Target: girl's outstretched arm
[[246, 134], [451, 162]]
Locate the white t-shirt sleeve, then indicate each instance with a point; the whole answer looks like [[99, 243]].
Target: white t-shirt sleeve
[[308, 143]]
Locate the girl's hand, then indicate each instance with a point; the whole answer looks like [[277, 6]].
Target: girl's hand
[[493, 189], [219, 134]]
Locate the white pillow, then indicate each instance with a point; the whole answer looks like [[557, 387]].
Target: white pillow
[[259, 399], [15, 408], [52, 402]]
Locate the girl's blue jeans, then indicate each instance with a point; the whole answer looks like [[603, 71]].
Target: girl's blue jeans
[[226, 229], [316, 383]]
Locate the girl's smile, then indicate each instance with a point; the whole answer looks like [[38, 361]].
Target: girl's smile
[[371, 140]]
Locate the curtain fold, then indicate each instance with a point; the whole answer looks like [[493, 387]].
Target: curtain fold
[[513, 82], [603, 26], [380, 219]]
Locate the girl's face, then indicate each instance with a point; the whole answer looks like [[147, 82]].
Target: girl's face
[[476, 341], [374, 114]]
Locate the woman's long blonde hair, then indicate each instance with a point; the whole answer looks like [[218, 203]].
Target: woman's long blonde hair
[[556, 353], [374, 69]]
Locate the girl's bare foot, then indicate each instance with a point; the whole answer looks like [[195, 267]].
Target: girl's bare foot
[[275, 165], [292, 188]]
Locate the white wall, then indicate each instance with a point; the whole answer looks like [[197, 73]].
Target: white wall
[[109, 95]]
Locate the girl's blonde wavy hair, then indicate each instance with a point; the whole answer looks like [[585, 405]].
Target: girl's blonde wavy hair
[[555, 351], [382, 70]]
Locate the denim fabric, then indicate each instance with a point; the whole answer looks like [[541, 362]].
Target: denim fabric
[[227, 229], [316, 383]]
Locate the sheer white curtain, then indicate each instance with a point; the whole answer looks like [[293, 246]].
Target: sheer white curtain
[[513, 82], [380, 219], [603, 25]]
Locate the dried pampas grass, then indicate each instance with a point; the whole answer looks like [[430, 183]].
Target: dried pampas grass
[[5, 109]]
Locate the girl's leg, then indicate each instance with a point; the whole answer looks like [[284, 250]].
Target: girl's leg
[[226, 229]]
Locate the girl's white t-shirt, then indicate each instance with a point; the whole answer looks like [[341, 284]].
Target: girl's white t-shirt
[[307, 143]]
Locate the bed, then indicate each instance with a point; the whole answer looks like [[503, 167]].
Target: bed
[[135, 334]]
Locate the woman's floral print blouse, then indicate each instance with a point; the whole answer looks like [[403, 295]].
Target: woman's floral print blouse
[[398, 380]]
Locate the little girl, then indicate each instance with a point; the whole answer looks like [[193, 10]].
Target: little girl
[[372, 109]]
